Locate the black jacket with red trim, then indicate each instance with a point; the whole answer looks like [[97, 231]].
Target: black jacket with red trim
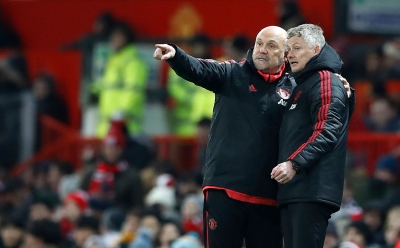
[[243, 142], [314, 132]]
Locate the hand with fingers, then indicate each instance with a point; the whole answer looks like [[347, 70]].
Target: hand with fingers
[[164, 52], [283, 172], [345, 83]]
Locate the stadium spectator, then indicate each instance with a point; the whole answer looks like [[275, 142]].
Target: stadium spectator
[[113, 181], [43, 233], [169, 232], [129, 228], [383, 117], [40, 191], [358, 233], [122, 88], [16, 198], [373, 217], [349, 208], [235, 48], [373, 71], [391, 51], [95, 51], [41, 208], [139, 151], [144, 239], [111, 222], [48, 102], [188, 103], [392, 226], [189, 183], [151, 220], [12, 233], [163, 196], [75, 204], [62, 178], [156, 168], [331, 237], [385, 178], [86, 227], [191, 211], [289, 14], [342, 46]]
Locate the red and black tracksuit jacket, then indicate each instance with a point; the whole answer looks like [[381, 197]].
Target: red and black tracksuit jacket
[[314, 132], [243, 141]]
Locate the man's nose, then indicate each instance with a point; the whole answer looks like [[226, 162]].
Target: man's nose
[[263, 50]]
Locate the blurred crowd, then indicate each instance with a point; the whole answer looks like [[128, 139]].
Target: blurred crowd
[[124, 195], [109, 202]]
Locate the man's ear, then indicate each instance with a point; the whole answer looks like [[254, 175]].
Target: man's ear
[[317, 50]]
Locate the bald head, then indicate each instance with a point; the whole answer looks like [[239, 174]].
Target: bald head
[[273, 31], [269, 49]]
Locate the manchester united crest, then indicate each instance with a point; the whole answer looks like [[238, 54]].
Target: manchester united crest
[[212, 224], [284, 93]]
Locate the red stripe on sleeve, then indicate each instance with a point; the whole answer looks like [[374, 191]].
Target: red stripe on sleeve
[[326, 97]]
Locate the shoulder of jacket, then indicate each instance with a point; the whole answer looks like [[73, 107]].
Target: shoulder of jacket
[[322, 76]]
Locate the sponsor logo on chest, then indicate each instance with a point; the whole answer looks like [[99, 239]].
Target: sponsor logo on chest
[[282, 102]]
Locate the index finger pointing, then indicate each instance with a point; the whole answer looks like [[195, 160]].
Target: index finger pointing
[[162, 46]]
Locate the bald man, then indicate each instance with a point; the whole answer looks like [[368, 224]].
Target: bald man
[[251, 95]]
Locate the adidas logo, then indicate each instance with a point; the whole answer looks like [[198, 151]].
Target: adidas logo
[[252, 88]]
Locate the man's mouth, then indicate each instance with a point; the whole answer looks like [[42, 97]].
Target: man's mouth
[[293, 63], [262, 59]]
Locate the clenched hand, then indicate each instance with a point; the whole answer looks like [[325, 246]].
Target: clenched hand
[[283, 172]]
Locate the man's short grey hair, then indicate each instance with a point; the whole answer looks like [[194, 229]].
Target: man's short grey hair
[[312, 34]]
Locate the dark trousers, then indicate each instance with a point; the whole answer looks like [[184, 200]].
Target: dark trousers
[[227, 222], [304, 224]]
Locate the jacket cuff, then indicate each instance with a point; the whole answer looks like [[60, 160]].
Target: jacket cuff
[[179, 53], [300, 161]]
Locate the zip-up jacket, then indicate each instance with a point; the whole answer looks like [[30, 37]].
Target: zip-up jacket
[[314, 132], [243, 142]]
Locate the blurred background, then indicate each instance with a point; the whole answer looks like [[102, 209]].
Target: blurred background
[[103, 146]]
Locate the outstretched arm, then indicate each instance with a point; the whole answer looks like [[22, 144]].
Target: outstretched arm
[[209, 74]]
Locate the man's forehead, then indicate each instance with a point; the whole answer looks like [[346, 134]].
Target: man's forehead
[[266, 37], [295, 39]]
